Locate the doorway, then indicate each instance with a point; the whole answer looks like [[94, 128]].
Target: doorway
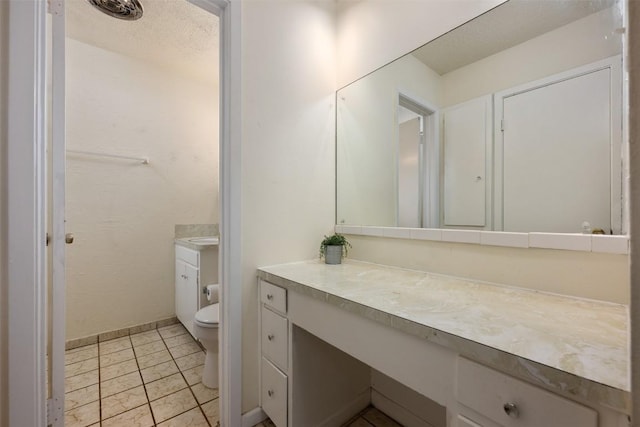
[[27, 219], [417, 164]]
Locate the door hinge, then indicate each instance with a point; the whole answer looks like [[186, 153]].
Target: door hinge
[[55, 7], [502, 125]]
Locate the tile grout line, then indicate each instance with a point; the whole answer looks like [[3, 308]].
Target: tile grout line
[[144, 386], [187, 382], [99, 388]]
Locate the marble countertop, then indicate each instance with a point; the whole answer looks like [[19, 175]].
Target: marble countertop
[[197, 243], [574, 346]]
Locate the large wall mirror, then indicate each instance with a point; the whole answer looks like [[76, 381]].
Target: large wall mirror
[[514, 121]]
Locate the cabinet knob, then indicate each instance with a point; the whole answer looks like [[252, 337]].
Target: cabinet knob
[[270, 393], [68, 238], [270, 337], [511, 410], [269, 297]]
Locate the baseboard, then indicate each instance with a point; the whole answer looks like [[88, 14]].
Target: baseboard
[[118, 333], [397, 412], [253, 417], [348, 411]]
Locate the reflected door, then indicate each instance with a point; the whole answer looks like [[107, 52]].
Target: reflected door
[[557, 156]]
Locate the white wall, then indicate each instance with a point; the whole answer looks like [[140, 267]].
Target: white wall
[[579, 43], [121, 212], [373, 33], [4, 40], [288, 200], [367, 165]]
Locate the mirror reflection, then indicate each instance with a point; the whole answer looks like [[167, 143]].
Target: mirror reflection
[[511, 122]]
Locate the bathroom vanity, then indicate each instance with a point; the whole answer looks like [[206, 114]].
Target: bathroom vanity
[[196, 267], [491, 355]]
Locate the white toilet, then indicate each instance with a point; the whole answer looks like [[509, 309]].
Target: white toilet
[[205, 327]]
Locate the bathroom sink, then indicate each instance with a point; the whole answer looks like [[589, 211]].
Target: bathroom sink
[[204, 240]]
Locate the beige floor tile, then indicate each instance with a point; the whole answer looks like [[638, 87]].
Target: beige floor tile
[[190, 361], [178, 340], [212, 411], [80, 354], [193, 375], [184, 350], [145, 338], [172, 331], [81, 381], [122, 402], [82, 416], [81, 367], [118, 369], [204, 394], [159, 371], [120, 384], [112, 346], [153, 359], [172, 405], [165, 386], [152, 347], [192, 418], [137, 417], [117, 357], [379, 419], [143, 328], [81, 397]]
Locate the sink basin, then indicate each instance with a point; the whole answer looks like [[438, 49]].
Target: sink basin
[[204, 240]]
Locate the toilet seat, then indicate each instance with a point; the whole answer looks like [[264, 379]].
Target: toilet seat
[[209, 316]]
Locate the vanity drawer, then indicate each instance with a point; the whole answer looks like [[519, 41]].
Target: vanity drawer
[[275, 338], [188, 255], [490, 392], [274, 393], [273, 296]]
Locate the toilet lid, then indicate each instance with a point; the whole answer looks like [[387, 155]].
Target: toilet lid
[[209, 315]]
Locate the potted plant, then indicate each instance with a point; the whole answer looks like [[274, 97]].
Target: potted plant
[[333, 248]]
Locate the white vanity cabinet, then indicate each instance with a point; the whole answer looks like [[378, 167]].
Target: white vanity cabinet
[[274, 348], [489, 398], [194, 270]]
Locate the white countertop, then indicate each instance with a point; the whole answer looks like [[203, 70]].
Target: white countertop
[[583, 338], [198, 243]]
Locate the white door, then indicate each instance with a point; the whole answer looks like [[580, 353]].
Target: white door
[[466, 148], [556, 144]]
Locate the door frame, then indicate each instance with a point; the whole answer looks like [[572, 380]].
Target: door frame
[[26, 211]]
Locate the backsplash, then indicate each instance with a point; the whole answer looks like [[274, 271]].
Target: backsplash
[[196, 230]]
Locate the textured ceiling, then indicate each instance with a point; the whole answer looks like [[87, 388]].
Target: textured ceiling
[[172, 33], [509, 24]]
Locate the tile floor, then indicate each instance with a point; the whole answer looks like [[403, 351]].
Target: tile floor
[[372, 417], [142, 380], [151, 379]]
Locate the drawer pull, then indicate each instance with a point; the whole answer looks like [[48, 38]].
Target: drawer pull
[[511, 410], [269, 297], [270, 337], [270, 393]]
